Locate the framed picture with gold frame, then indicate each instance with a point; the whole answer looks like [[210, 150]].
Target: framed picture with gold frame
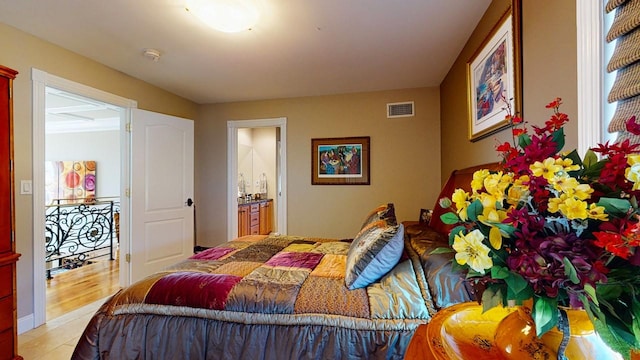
[[340, 161], [494, 77]]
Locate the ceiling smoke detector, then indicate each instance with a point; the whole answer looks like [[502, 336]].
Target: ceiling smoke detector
[[152, 54]]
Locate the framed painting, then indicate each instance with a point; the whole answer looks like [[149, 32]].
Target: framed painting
[[494, 77], [425, 216], [340, 161]]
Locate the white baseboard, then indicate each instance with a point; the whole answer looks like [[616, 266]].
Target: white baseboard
[[25, 323]]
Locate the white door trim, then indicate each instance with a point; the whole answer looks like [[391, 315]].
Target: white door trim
[[41, 80], [232, 172], [590, 41]]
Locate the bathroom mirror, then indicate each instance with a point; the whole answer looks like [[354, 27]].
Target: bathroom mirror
[[245, 167]]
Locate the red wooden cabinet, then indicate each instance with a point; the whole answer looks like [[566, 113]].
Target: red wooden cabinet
[[8, 256]]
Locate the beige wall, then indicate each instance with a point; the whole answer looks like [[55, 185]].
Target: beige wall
[[405, 159], [405, 153], [549, 71], [22, 52]]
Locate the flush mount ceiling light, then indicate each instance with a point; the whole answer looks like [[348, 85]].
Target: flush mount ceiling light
[[225, 15]]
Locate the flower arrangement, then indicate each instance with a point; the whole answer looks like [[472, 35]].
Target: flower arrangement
[[554, 228]]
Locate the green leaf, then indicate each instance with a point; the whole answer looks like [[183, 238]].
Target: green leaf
[[455, 231], [575, 158], [457, 268], [498, 272], [441, 250], [590, 159], [594, 170], [558, 138], [524, 140], [591, 291], [492, 297], [609, 291], [615, 206], [474, 209], [473, 273], [545, 314], [570, 271], [505, 229], [449, 218], [519, 286], [635, 325]]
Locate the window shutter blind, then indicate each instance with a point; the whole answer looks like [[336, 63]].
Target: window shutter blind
[[626, 61]]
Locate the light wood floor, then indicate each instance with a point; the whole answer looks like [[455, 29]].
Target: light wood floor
[[78, 287], [72, 298]]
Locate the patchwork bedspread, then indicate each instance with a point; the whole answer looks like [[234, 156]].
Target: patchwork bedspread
[[275, 282]]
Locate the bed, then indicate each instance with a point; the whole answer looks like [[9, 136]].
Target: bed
[[284, 297]]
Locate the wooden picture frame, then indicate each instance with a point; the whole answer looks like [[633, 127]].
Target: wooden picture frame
[[494, 77], [340, 161], [425, 216]]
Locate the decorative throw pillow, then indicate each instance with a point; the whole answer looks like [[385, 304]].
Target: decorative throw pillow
[[373, 253], [383, 212]]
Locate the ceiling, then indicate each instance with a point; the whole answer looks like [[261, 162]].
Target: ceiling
[[71, 113], [298, 47]]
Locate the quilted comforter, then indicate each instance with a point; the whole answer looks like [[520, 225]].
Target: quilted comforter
[[262, 298]]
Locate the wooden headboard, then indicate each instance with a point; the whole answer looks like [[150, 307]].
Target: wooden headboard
[[459, 179]]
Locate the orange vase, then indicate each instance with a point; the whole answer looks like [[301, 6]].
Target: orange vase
[[516, 339]]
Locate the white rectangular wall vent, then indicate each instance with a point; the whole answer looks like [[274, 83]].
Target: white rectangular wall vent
[[401, 109]]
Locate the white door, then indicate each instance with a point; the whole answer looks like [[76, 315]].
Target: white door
[[161, 192]]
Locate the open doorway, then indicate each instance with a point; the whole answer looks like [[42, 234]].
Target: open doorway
[[275, 174], [40, 82], [82, 200]]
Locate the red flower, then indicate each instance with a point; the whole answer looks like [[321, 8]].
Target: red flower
[[601, 267], [632, 126], [612, 242], [517, 132], [504, 147], [554, 104], [556, 122]]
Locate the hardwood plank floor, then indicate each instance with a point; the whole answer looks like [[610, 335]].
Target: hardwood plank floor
[[56, 339], [78, 287], [72, 298]]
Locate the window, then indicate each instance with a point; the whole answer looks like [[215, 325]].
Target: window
[[623, 34], [594, 82]]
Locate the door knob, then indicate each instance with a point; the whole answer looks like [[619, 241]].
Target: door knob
[[189, 202]]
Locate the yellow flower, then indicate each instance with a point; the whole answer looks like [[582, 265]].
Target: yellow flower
[[461, 199], [564, 183], [488, 201], [554, 203], [519, 191], [478, 179], [495, 238], [496, 185], [583, 191], [597, 213], [573, 209], [470, 250], [546, 169], [492, 216], [567, 164], [632, 173]]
